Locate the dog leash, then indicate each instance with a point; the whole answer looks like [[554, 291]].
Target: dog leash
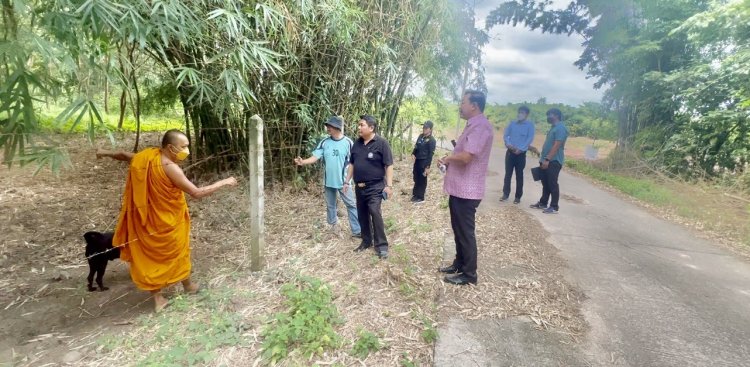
[[123, 244]]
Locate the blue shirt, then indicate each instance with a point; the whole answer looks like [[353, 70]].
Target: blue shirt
[[558, 132], [335, 155], [519, 135]]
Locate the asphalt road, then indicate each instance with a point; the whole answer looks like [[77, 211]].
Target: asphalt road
[[657, 294]]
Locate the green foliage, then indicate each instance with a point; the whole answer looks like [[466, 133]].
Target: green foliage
[[429, 333], [590, 119], [168, 339], [676, 72], [222, 61], [307, 325], [405, 361], [365, 344], [639, 188], [391, 224]]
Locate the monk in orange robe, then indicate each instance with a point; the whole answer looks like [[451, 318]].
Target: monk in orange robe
[[154, 224]]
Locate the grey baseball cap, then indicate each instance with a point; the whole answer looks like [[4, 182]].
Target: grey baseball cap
[[335, 122]]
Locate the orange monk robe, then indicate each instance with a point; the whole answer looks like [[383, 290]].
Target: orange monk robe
[[154, 224]]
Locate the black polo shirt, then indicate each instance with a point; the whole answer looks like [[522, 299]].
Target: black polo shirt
[[371, 160], [424, 149]]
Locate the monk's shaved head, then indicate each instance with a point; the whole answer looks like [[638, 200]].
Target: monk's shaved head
[[173, 137]]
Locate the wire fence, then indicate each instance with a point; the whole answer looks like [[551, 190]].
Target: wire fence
[[283, 141]]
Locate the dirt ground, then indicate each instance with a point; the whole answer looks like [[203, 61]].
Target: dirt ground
[[49, 318]]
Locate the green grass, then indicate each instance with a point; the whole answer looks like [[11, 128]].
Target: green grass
[[172, 339], [151, 122], [640, 188], [365, 344]]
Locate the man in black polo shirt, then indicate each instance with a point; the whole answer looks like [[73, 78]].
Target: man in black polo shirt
[[372, 169]]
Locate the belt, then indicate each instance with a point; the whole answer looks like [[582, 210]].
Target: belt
[[367, 183]]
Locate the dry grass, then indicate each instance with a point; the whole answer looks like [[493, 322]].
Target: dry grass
[[399, 299]]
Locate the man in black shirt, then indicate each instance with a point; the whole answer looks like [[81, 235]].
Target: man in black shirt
[[371, 166], [422, 154]]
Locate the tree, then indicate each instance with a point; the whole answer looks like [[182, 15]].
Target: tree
[[293, 63]]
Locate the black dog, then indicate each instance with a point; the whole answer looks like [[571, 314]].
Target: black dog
[[96, 243]]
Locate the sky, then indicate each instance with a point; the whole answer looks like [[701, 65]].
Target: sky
[[523, 65]]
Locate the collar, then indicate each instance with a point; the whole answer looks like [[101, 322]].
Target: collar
[[374, 138], [475, 119]]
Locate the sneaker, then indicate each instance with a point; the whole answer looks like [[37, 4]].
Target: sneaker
[[504, 198], [538, 206], [550, 210], [517, 201], [357, 235], [418, 201]]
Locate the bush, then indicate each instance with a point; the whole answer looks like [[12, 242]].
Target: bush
[[308, 324]]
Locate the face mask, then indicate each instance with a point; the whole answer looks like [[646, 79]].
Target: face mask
[[182, 154]]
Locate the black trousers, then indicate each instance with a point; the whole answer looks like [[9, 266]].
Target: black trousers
[[420, 181], [550, 187], [370, 217], [463, 220], [514, 162]]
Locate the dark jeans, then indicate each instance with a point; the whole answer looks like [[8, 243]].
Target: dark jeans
[[463, 213], [368, 211], [513, 162], [550, 187], [420, 181]]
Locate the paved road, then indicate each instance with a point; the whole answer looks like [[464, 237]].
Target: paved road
[[657, 295]]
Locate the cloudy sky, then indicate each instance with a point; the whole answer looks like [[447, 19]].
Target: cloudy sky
[[524, 65]]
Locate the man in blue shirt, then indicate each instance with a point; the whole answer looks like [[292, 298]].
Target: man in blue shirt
[[518, 136], [551, 161], [335, 152]]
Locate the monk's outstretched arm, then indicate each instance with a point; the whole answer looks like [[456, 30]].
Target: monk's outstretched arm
[[175, 173], [116, 155]]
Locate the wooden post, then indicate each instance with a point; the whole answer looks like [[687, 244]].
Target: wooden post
[[257, 210]]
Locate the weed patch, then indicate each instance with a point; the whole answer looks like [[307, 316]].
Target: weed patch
[[307, 325], [366, 343]]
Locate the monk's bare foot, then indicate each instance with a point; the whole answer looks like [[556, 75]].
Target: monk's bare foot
[[192, 288], [160, 302]]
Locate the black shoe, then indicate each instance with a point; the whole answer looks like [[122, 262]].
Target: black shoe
[[538, 206], [504, 198], [449, 270], [362, 247], [459, 280], [517, 201], [413, 199], [383, 254], [357, 235]]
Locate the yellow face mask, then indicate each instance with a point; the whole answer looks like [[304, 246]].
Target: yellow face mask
[[181, 155]]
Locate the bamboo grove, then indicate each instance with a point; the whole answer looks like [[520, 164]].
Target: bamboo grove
[[293, 62]]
